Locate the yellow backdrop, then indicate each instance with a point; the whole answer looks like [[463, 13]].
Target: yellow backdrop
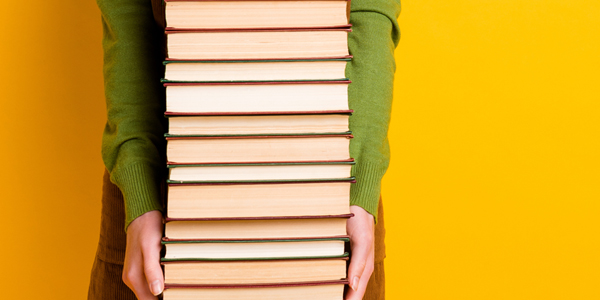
[[493, 188]]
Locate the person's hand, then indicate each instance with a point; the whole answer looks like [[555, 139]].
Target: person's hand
[[361, 231], [142, 272]]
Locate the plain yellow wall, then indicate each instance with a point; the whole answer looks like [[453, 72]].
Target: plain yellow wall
[[493, 188]]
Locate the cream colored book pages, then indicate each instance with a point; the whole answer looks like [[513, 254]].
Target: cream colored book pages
[[258, 200], [261, 172], [298, 70], [255, 14], [257, 44], [257, 98], [315, 292], [228, 150], [253, 272], [254, 229], [254, 250], [216, 125]]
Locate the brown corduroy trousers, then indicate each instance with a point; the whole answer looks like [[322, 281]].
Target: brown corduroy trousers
[[106, 283]]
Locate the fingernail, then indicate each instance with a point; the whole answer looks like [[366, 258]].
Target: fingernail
[[354, 285], [156, 289]]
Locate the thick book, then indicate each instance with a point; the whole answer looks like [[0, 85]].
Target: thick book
[[242, 44], [258, 148], [257, 228], [230, 97], [259, 124], [254, 271], [255, 14], [327, 290], [254, 200], [250, 172], [255, 70], [254, 249]]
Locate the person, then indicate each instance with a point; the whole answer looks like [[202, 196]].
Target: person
[[127, 265]]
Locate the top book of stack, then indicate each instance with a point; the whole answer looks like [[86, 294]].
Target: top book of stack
[[255, 14]]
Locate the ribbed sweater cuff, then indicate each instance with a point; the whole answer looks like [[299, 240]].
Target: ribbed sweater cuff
[[365, 192], [140, 188]]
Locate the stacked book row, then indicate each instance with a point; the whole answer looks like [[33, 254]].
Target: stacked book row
[[257, 149]]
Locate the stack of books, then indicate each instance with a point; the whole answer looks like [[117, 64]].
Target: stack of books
[[257, 149]]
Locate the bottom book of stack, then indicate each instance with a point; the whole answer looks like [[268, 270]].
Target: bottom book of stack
[[333, 290]]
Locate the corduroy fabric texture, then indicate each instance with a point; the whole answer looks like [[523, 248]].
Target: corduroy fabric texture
[[106, 282], [106, 278], [133, 141]]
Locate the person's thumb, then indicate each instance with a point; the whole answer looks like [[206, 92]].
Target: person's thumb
[[152, 270]]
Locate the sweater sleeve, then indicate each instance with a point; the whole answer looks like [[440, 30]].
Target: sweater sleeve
[[132, 143], [375, 35]]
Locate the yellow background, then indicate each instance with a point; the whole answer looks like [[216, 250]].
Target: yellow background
[[493, 189]]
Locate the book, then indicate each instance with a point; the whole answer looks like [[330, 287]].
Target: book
[[254, 249], [244, 44], [255, 14], [293, 171], [255, 271], [259, 148], [254, 200], [258, 228], [333, 290], [256, 70], [316, 122], [257, 96]]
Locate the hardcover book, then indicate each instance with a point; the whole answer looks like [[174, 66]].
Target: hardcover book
[[327, 290], [255, 14], [254, 249], [243, 97], [243, 44], [310, 123], [260, 148], [255, 200], [255, 70], [284, 171], [254, 271], [256, 228]]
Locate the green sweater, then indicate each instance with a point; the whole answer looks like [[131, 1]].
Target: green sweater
[[133, 146]]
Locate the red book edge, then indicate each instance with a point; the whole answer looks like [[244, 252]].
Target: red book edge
[[166, 239], [170, 163], [344, 216], [316, 28], [349, 136], [171, 30], [241, 260], [260, 59], [216, 286], [253, 113], [166, 84], [254, 183]]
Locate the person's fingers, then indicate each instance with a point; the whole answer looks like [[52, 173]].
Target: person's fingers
[[133, 275], [140, 288], [362, 248], [152, 269], [359, 293]]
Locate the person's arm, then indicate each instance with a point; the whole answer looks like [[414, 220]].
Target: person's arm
[[375, 35], [133, 143]]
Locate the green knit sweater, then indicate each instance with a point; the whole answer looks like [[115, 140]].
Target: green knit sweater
[[133, 146]]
